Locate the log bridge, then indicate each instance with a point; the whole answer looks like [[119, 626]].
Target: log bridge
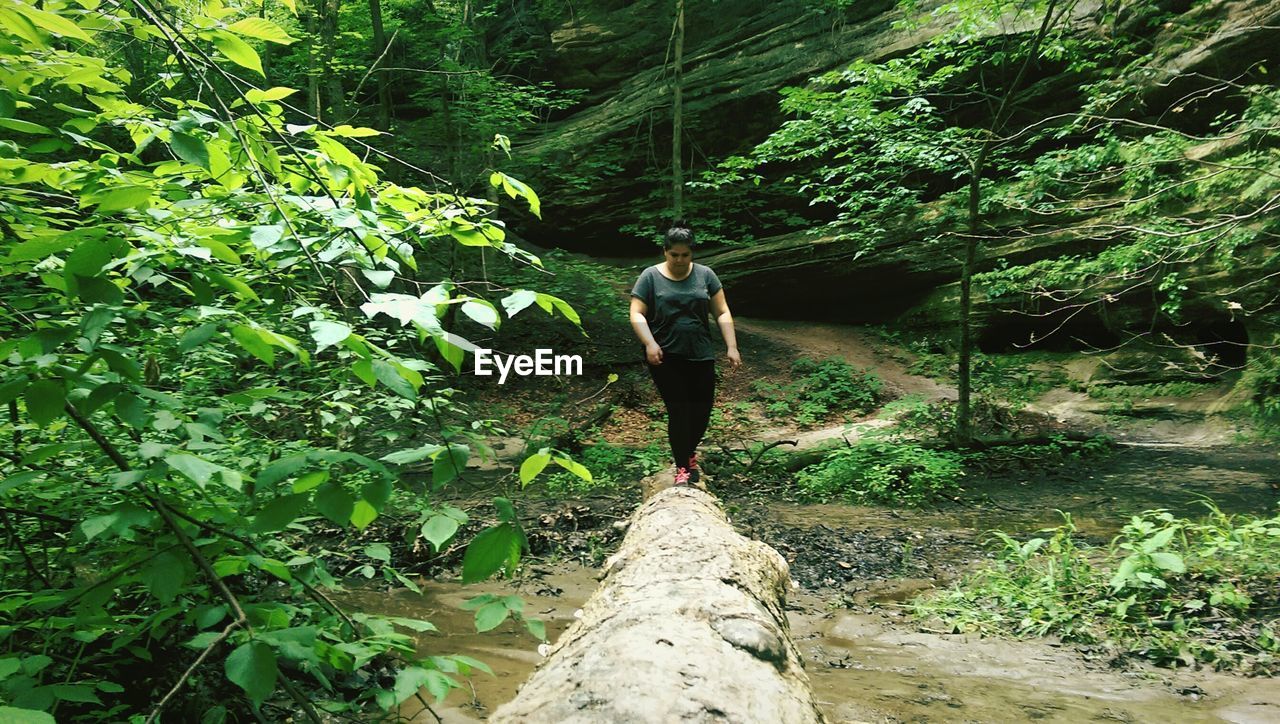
[[687, 625]]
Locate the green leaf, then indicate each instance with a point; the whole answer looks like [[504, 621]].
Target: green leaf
[[515, 188], [23, 28], [279, 513], [164, 577], [450, 352], [469, 237], [412, 678], [8, 667], [220, 250], [14, 481], [548, 302], [449, 466], [481, 312], [195, 337], [346, 131], [45, 400], [328, 334], [272, 566], [380, 278], [412, 455], [574, 467], [388, 375], [1159, 540], [490, 551], [262, 29], [363, 369], [310, 481], [55, 24], [362, 514], [254, 343], [1167, 561], [190, 149], [42, 247], [120, 198], [280, 469], [491, 615], [438, 530], [533, 465], [237, 51], [518, 300], [21, 126], [506, 510], [377, 492], [11, 389], [335, 503], [271, 94], [252, 667], [88, 257], [198, 470], [378, 552], [537, 628], [78, 693], [464, 663]]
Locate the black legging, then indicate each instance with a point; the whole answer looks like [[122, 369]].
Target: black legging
[[688, 389]]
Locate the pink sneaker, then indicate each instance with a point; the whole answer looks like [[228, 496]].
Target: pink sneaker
[[682, 476], [694, 473]]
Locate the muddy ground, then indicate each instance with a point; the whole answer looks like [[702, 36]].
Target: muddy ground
[[855, 566]]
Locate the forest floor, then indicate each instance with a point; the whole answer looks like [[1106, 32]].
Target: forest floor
[[856, 565]]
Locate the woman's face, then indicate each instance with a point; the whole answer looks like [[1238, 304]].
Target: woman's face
[[679, 258]]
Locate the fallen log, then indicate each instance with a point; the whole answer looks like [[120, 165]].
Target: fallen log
[[688, 624]]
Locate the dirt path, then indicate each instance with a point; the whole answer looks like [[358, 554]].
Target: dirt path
[[855, 345], [1188, 427]]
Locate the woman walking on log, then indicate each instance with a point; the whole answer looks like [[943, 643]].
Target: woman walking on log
[[669, 305]]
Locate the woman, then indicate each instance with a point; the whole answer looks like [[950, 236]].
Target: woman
[[669, 306]]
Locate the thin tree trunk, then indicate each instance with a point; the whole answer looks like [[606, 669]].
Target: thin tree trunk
[[379, 51], [677, 118], [311, 23], [964, 414], [333, 79]]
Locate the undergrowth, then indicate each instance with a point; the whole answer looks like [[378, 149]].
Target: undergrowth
[[1172, 590], [821, 389]]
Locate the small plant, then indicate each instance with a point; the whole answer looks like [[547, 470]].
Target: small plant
[[1132, 393], [821, 390], [884, 471], [610, 466]]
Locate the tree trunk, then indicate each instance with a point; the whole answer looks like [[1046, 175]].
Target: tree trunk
[[333, 79], [379, 56], [689, 624], [310, 22], [677, 118], [964, 414]]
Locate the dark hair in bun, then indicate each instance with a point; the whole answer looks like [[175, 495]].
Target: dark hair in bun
[[679, 232]]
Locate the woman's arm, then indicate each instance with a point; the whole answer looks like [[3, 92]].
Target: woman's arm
[[724, 320], [640, 325]]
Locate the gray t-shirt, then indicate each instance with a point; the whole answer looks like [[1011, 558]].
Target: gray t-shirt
[[677, 311]]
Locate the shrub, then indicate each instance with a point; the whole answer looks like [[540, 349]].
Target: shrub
[[884, 471], [1173, 590], [820, 390]]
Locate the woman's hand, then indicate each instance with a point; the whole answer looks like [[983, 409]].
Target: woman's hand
[[735, 359], [653, 353]]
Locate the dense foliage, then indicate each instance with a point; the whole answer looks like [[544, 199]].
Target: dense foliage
[[219, 319]]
